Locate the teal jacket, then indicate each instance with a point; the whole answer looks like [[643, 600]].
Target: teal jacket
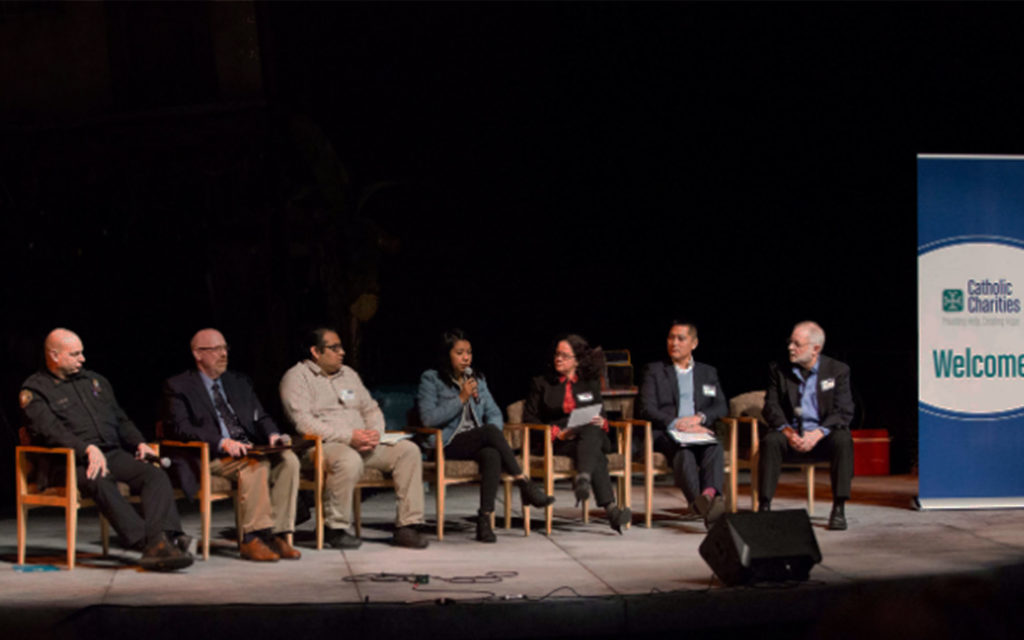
[[439, 405]]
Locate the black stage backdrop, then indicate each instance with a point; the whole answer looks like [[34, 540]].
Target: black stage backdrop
[[518, 170]]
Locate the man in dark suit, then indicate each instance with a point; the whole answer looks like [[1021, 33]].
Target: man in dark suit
[[682, 399], [220, 407], [808, 410]]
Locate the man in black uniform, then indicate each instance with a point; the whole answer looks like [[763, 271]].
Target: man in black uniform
[[67, 406]]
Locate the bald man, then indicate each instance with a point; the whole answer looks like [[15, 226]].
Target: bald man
[[220, 407], [68, 406], [808, 409]]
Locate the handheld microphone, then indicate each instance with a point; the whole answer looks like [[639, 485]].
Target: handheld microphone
[[163, 462], [468, 372]]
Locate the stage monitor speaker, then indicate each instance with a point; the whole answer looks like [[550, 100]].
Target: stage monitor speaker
[[761, 547]]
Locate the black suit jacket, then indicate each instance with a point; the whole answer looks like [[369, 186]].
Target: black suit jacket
[[659, 394], [835, 398], [547, 393], [189, 414]]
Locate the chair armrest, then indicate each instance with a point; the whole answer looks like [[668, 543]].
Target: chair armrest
[[192, 444], [23, 448]]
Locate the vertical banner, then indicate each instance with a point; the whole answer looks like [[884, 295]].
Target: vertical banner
[[970, 288]]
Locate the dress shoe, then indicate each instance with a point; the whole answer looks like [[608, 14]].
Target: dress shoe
[[161, 555], [618, 518], [341, 539], [183, 542], [837, 520], [409, 537], [701, 505], [280, 546], [582, 488], [484, 532], [716, 509], [258, 551], [531, 494], [764, 506]]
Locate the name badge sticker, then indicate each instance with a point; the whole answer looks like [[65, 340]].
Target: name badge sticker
[[710, 390], [828, 384], [585, 397], [346, 395]]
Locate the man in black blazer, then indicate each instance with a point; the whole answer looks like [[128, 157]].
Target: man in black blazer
[[808, 410], [220, 407], [685, 397]]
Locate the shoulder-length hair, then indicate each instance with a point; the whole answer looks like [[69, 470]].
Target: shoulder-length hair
[[589, 361], [444, 359]]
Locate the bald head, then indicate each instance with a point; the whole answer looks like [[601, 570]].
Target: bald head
[[64, 353], [211, 352]]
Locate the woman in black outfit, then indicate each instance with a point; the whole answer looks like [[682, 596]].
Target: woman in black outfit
[[455, 398], [572, 382]]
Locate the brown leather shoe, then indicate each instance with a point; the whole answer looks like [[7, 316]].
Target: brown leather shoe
[[257, 551], [280, 546]]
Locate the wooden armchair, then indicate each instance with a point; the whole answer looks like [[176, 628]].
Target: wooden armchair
[[443, 472], [32, 494], [551, 467], [211, 488], [746, 409]]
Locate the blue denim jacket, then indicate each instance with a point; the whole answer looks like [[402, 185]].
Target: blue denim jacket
[[439, 405]]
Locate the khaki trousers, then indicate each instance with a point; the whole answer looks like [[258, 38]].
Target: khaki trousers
[[268, 488], [344, 466]]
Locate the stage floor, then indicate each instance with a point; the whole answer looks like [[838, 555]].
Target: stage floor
[[887, 541]]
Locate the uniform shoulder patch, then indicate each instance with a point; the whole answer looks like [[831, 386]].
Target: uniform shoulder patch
[[24, 398]]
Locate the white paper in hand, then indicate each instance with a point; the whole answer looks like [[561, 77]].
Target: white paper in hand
[[583, 415]]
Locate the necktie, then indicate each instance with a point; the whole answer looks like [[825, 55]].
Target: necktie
[[235, 430]]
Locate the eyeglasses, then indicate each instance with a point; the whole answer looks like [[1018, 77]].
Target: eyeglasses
[[561, 355], [222, 347], [336, 348]]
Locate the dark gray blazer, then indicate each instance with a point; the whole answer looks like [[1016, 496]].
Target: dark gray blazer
[[659, 394]]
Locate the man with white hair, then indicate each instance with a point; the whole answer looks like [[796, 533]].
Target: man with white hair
[[808, 408], [68, 406], [220, 407]]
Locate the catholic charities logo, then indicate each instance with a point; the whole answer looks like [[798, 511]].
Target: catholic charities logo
[[952, 300]]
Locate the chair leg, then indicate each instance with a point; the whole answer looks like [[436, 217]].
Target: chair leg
[[439, 492], [71, 526], [810, 489], [508, 503], [648, 494], [526, 520], [22, 531], [205, 509], [319, 518]]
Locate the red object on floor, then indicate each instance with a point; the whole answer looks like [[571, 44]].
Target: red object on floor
[[870, 452]]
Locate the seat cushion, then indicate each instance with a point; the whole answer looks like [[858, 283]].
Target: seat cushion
[[461, 468]]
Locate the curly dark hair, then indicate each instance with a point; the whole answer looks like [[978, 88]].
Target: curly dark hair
[[444, 359], [589, 361]]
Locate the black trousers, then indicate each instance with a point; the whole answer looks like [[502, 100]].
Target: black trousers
[[486, 445], [588, 450], [695, 468], [836, 447], [150, 483]]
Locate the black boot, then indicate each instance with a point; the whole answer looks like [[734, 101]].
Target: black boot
[[582, 487], [617, 517], [837, 519], [484, 532], [531, 494]]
